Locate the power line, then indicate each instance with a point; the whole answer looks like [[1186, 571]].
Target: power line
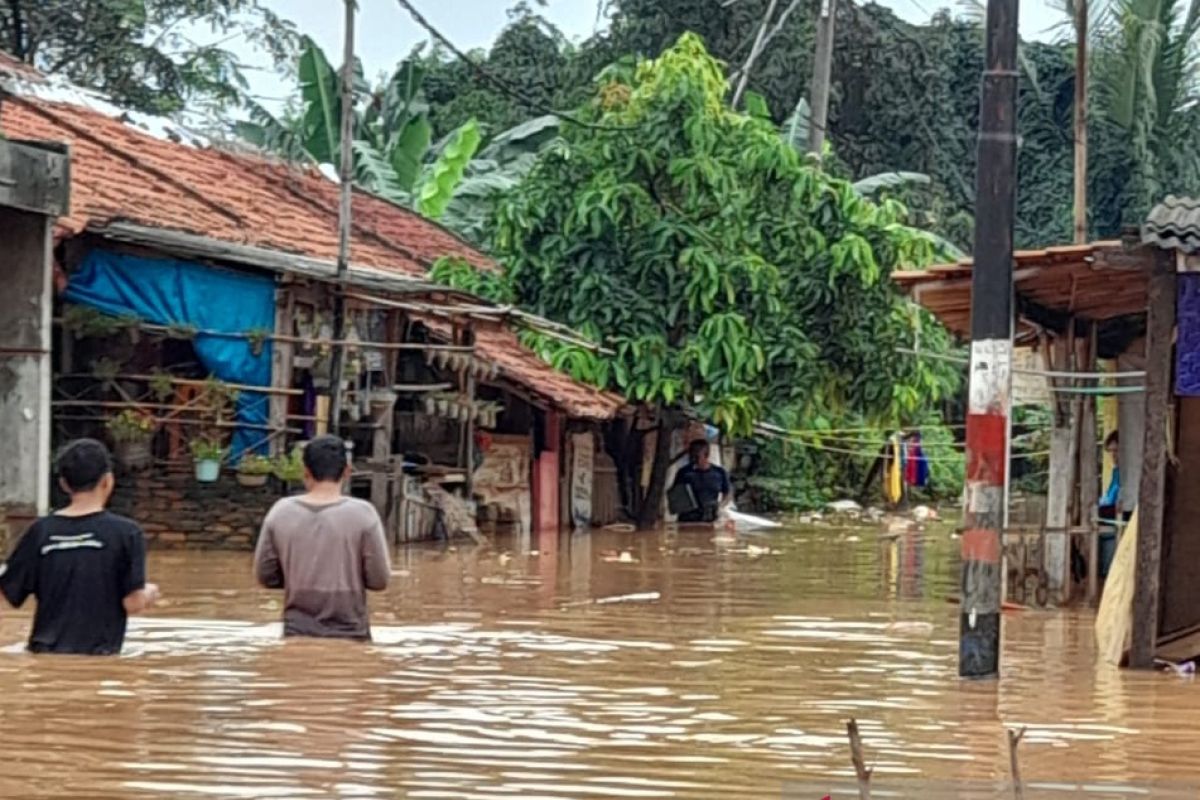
[[510, 89]]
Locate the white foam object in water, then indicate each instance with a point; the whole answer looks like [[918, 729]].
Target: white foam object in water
[[750, 522]]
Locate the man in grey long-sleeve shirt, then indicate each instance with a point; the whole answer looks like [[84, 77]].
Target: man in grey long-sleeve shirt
[[324, 550]]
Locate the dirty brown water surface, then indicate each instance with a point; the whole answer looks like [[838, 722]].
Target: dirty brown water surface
[[689, 668]]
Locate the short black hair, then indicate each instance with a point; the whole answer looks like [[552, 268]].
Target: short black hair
[[82, 463], [325, 458], [1113, 439], [697, 448]]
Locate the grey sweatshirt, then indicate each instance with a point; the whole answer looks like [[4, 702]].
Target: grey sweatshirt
[[325, 558]]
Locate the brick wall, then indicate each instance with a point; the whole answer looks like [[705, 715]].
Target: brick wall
[[175, 511]]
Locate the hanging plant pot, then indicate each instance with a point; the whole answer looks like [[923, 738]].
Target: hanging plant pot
[[134, 455], [207, 470], [250, 481], [430, 406]]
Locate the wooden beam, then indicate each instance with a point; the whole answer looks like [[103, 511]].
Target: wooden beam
[[1151, 492]]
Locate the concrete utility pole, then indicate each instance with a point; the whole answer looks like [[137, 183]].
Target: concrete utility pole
[[822, 69], [991, 349], [346, 179]]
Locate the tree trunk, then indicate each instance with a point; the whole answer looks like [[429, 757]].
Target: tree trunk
[[648, 514]]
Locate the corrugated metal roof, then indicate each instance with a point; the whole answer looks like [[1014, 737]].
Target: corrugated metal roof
[[1174, 224]]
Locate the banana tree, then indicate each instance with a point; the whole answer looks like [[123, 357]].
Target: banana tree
[[392, 134]]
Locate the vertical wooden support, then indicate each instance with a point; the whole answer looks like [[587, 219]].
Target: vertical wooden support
[[1160, 329], [1063, 441], [1089, 473], [281, 366]]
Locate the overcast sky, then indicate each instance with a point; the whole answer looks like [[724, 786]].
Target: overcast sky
[[385, 33]]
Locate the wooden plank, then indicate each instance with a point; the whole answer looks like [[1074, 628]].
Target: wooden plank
[[1159, 352]]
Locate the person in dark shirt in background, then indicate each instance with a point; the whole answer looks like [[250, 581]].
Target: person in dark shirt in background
[[85, 565], [709, 483]]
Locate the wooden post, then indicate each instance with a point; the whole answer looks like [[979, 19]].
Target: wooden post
[[1056, 559], [281, 366], [1089, 474], [991, 349], [1081, 137], [337, 366], [822, 75], [1160, 329], [861, 771], [1014, 739]]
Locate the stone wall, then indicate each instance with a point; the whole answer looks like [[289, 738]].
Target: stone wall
[[176, 512]]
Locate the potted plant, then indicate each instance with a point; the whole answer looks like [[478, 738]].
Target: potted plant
[[253, 470], [289, 469], [131, 432], [207, 455]]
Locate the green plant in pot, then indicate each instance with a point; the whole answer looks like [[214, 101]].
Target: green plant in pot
[[253, 470], [207, 454], [131, 432], [289, 469]]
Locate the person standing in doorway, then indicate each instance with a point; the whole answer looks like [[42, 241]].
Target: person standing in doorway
[[709, 484], [325, 550], [1112, 497], [85, 565]]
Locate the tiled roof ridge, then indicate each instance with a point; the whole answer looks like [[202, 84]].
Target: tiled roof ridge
[[1174, 224]]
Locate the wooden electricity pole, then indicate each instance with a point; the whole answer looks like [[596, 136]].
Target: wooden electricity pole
[[346, 179], [822, 71], [1081, 135], [991, 349]]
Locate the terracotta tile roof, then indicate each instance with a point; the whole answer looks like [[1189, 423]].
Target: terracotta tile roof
[[119, 173], [524, 367], [122, 174]]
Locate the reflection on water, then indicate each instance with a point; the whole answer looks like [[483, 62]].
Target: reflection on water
[[602, 665]]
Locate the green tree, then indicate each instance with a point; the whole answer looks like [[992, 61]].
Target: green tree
[[727, 275], [145, 54]]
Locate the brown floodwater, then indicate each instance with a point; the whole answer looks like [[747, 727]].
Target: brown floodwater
[[602, 665]]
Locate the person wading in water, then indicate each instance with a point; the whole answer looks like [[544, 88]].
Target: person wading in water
[[85, 565], [709, 484], [325, 550]]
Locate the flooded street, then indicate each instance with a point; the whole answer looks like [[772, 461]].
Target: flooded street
[[606, 665]]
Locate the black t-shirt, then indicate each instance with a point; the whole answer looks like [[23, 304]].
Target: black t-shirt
[[80, 569], [708, 485]]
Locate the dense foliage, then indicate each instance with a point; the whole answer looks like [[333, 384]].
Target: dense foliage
[[727, 274], [906, 97], [142, 53]]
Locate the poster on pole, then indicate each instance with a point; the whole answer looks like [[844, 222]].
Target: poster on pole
[[582, 457]]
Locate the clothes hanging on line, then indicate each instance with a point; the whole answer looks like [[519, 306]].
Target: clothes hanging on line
[[916, 466], [893, 487]]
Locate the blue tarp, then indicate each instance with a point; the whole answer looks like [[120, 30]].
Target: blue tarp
[[210, 299]]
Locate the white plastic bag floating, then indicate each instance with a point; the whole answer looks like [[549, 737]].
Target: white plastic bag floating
[[749, 522]]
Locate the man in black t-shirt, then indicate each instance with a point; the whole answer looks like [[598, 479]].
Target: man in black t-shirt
[[85, 565], [709, 483]]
